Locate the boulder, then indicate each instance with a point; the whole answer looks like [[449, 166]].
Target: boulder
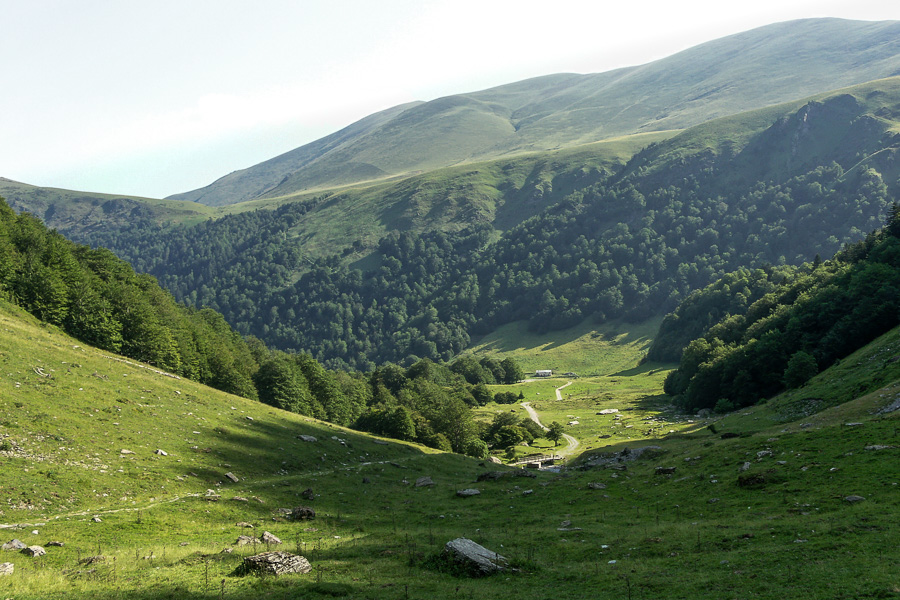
[[302, 513], [608, 411], [472, 558], [246, 540], [244, 524], [14, 545], [232, 477], [270, 538], [273, 563], [34, 551], [495, 460], [853, 499], [55, 544], [6, 569], [307, 494], [595, 485], [307, 438], [424, 482], [468, 492]]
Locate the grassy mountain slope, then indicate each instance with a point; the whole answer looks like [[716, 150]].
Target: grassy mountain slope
[[80, 213], [165, 519], [761, 67]]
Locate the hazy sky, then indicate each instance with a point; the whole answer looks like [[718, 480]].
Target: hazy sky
[[155, 98]]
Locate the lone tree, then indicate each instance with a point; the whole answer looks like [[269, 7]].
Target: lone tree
[[800, 368], [555, 433]]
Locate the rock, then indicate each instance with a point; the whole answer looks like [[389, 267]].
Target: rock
[[161, 452], [495, 460], [55, 544], [6, 569], [244, 524], [307, 494], [616, 459], [269, 538], [424, 482], [34, 551], [240, 499], [124, 452], [665, 470], [744, 467], [712, 500], [527, 492], [14, 545], [472, 558], [91, 560], [852, 499], [703, 413], [273, 563], [594, 485], [307, 438], [182, 544], [608, 411], [763, 453], [492, 475], [879, 447], [468, 492], [302, 513], [96, 519], [232, 477], [246, 540]]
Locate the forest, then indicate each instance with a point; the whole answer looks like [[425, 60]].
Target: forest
[[99, 299], [764, 331]]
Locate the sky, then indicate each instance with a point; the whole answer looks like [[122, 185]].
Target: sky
[[156, 98]]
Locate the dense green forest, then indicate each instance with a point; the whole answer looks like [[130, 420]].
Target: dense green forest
[[98, 298], [764, 331], [632, 245]]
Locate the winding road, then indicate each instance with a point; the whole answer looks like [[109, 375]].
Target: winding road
[[571, 441]]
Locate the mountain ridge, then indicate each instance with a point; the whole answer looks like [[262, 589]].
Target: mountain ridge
[[760, 67]]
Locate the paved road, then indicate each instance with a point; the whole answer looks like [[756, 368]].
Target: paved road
[[571, 441]]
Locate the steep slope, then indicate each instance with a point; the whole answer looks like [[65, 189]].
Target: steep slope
[[761, 67]]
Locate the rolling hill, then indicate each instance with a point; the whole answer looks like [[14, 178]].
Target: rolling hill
[[765, 66]]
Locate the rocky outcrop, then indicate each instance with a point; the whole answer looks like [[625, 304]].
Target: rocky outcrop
[[473, 559], [273, 563]]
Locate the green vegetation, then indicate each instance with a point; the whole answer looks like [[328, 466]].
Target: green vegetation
[[163, 535], [815, 316]]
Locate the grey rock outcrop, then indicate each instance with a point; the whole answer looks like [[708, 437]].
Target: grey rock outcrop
[[14, 545], [302, 513], [270, 538], [424, 482], [34, 551], [472, 558], [273, 563], [307, 438], [6, 568], [467, 492]]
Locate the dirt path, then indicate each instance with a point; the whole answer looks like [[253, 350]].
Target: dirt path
[[571, 441]]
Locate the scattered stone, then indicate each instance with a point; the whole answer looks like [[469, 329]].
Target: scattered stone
[[6, 568], [424, 481], [712, 500], [893, 406], [123, 452], [302, 513], [307, 494], [161, 452], [495, 460], [468, 492], [92, 560], [852, 424], [184, 544], [472, 558], [96, 519], [852, 499], [307, 438], [594, 485], [763, 453], [273, 563], [879, 447], [232, 477], [665, 470], [244, 524], [744, 467], [493, 475], [240, 499], [269, 538], [608, 411], [212, 495], [55, 544], [34, 551], [527, 492], [246, 540], [15, 545]]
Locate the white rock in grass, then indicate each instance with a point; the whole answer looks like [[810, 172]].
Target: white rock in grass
[[6, 568], [474, 558]]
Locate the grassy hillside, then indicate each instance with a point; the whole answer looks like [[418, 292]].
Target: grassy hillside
[[163, 531], [82, 213], [757, 68]]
